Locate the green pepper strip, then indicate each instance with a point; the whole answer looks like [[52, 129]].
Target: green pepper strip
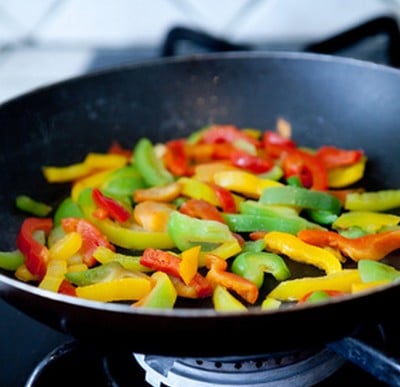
[[122, 236], [103, 273], [250, 223], [372, 271], [11, 260], [67, 209], [301, 197], [149, 165], [31, 206], [252, 266], [187, 232]]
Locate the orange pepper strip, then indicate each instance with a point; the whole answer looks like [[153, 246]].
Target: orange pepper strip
[[165, 193], [218, 275], [371, 246]]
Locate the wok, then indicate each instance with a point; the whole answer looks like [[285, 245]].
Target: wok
[[327, 100]]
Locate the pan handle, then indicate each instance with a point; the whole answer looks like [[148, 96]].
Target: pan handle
[[371, 360]]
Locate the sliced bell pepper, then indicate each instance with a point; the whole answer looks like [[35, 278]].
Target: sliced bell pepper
[[11, 260], [204, 172], [243, 182], [66, 247], [152, 215], [166, 193], [67, 209], [320, 295], [296, 249], [168, 263], [251, 222], [296, 289], [270, 303], [226, 133], [370, 246], [369, 221], [252, 266], [201, 209], [24, 275], [187, 232], [276, 145], [225, 198], [340, 177], [122, 182], [373, 201], [372, 271], [150, 165], [36, 254], [224, 301], [105, 255], [91, 237], [162, 295], [122, 289], [198, 190], [189, 263], [252, 163], [176, 159], [129, 238], [218, 275], [308, 167], [333, 157], [31, 206], [56, 268], [301, 197], [103, 273], [111, 206]]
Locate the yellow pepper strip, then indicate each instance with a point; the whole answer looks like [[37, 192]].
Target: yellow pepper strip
[[56, 268], [122, 289], [105, 255], [77, 267], [359, 287], [296, 249], [198, 190], [166, 193], [243, 182], [225, 250], [23, 274], [205, 172], [292, 290], [66, 247], [224, 301], [94, 180], [189, 263], [340, 177], [105, 160], [153, 216], [93, 162], [68, 173], [369, 221]]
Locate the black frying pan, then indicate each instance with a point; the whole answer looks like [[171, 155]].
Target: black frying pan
[[327, 100]]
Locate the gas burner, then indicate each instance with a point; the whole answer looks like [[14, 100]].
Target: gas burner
[[301, 368]]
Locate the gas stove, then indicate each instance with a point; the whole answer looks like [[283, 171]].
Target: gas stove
[[33, 355]]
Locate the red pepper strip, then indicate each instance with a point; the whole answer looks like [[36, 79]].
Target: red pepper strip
[[276, 145], [36, 254], [169, 263], [225, 198], [226, 133], [217, 274], [111, 206], [92, 238], [67, 288], [116, 149], [252, 163], [370, 246], [176, 160], [333, 157], [309, 168], [201, 209], [256, 235]]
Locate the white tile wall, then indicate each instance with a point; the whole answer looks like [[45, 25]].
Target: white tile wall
[[42, 41]]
